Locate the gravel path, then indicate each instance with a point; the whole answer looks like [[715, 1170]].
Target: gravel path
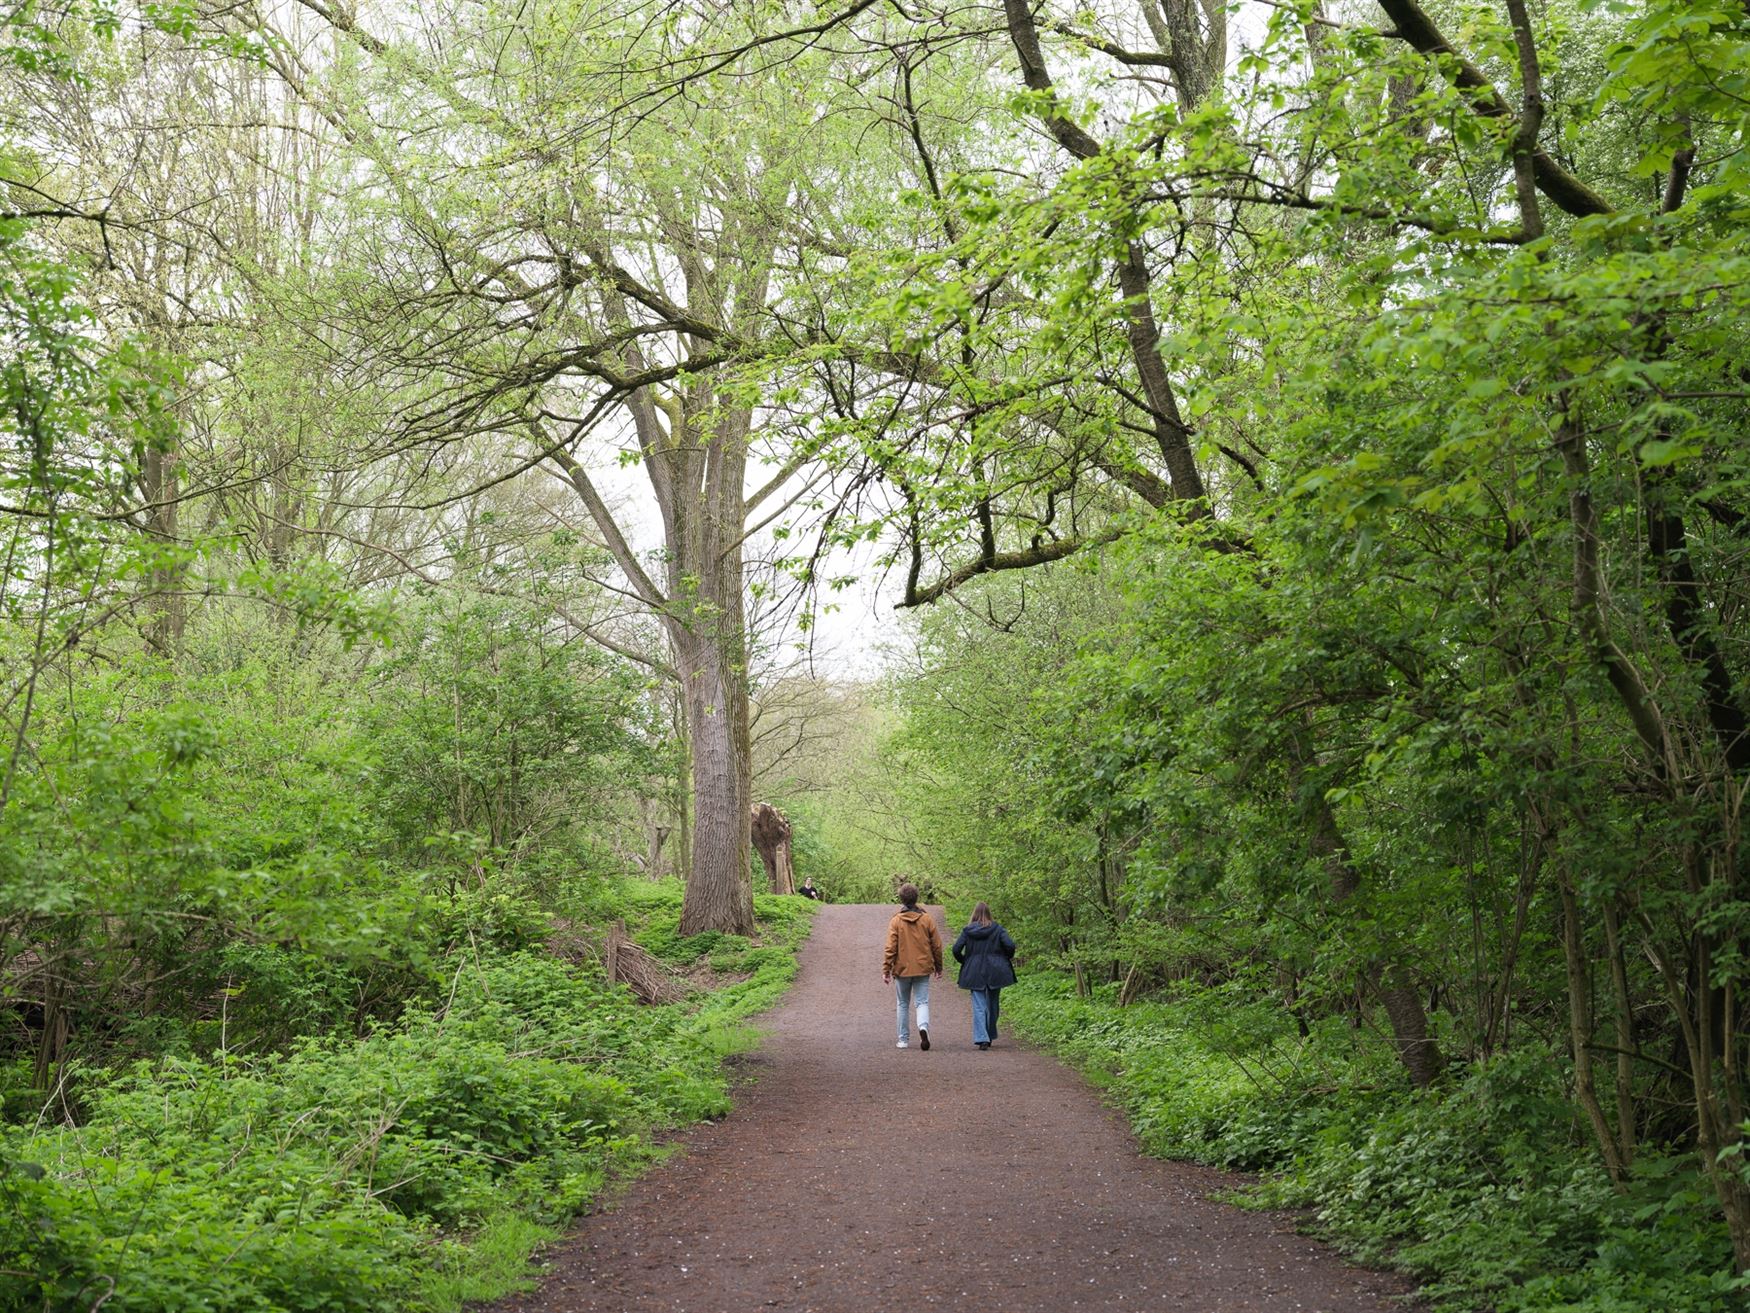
[[855, 1177]]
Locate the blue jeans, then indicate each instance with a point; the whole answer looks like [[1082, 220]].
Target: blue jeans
[[905, 988], [985, 1004]]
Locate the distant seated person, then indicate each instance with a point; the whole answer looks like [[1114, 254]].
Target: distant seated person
[[808, 890]]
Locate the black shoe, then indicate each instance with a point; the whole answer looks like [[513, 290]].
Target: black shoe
[[923, 1039], [985, 1045]]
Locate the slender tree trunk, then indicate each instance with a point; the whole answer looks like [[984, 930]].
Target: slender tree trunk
[[1195, 71], [1389, 978], [158, 480], [1625, 1037], [1500, 1014], [1694, 1008], [683, 854], [1716, 1131], [52, 1046], [1580, 1032]]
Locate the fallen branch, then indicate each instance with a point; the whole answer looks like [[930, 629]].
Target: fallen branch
[[632, 965]]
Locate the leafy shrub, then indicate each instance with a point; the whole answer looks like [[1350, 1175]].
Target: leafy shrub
[[490, 914], [273, 994], [338, 1175], [185, 1227]]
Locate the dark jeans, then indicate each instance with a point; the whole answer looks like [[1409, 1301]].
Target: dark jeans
[[986, 1003]]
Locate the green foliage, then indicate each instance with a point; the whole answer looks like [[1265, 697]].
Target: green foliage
[[56, 38], [345, 1173], [1427, 720], [1406, 695], [495, 736]]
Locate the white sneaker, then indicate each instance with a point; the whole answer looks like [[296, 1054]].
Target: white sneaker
[[902, 1045]]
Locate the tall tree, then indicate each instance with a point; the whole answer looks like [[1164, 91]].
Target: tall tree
[[606, 239]]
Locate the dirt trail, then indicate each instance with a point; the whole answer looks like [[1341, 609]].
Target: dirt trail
[[856, 1177]]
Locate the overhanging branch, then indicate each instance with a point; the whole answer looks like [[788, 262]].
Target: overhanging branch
[[1042, 554], [1414, 26]]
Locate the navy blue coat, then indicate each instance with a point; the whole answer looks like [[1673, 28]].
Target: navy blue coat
[[983, 952]]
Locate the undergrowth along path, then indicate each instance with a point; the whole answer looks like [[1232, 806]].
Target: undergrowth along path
[[856, 1177]]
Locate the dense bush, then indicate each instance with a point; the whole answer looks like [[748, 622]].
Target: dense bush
[[344, 1174]]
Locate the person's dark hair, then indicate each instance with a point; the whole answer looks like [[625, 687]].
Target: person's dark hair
[[981, 914], [908, 894]]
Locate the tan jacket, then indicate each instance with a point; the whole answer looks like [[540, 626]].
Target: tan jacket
[[913, 946]]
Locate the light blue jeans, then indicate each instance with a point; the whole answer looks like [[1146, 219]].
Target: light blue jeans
[[984, 1014], [906, 988]]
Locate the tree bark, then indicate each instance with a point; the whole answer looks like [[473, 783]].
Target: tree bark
[[1625, 1037], [694, 443], [1412, 24], [771, 839], [707, 626], [1686, 613], [1718, 1109], [1717, 1128], [1390, 978], [1580, 1033], [159, 483], [1172, 434], [719, 896], [697, 479]]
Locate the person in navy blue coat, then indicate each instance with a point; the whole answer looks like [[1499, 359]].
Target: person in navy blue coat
[[985, 953]]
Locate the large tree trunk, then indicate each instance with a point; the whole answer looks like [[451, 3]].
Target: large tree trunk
[[719, 892], [1580, 1033], [704, 518], [697, 479]]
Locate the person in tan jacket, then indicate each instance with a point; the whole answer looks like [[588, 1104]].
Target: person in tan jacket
[[914, 954]]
